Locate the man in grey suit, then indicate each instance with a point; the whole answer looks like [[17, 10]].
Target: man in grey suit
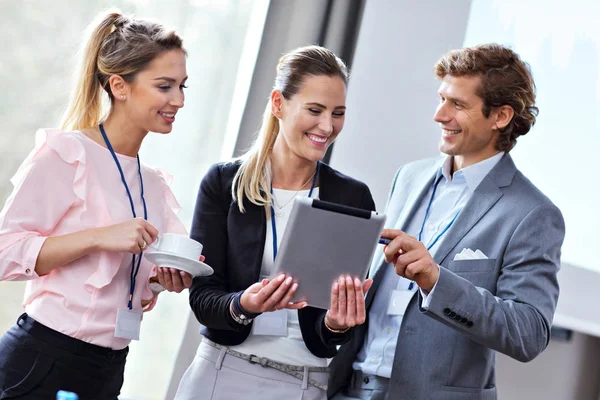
[[474, 251]]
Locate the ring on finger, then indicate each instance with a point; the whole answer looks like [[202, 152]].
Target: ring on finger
[[143, 245]]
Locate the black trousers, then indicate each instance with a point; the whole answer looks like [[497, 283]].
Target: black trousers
[[36, 362]]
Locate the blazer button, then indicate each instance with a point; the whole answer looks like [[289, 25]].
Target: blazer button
[[452, 314], [457, 317], [470, 324], [464, 321], [366, 379], [447, 311]]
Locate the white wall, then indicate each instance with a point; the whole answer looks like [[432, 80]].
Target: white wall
[[391, 100], [392, 93], [561, 44]]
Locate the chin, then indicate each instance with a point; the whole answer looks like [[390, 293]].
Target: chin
[[315, 156], [446, 149], [162, 130]]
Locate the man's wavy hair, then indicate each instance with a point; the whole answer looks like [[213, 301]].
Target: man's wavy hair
[[505, 80]]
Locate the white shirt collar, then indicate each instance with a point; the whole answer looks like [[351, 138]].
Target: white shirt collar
[[473, 174]]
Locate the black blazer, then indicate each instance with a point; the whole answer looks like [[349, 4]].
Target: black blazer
[[233, 246]]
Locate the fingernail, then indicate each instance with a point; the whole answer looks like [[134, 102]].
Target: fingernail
[[281, 277], [335, 285], [348, 280], [288, 280], [304, 305], [356, 282], [294, 286]]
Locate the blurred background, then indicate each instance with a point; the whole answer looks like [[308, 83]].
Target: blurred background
[[391, 46]]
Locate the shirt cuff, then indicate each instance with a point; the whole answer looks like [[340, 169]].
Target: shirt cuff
[[32, 251], [427, 297]]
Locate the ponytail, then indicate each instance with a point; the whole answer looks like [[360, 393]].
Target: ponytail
[[86, 108], [253, 178]]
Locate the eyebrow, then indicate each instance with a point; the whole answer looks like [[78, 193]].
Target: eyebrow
[[169, 79], [455, 99], [322, 106]]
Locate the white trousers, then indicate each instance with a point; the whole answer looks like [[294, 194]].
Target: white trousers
[[216, 375]]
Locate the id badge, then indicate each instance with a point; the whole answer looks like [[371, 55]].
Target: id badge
[[399, 301], [271, 323], [128, 324]]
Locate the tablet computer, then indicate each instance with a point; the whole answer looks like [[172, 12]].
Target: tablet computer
[[322, 241]]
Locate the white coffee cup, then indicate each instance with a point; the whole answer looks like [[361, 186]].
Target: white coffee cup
[[180, 245]]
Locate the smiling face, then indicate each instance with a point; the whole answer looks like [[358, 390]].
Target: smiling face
[[466, 133], [156, 93], [312, 118]]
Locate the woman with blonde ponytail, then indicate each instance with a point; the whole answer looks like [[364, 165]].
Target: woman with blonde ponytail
[[82, 212], [257, 344]]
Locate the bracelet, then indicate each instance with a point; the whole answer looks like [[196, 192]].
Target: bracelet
[[238, 313], [237, 307], [334, 330], [239, 318]]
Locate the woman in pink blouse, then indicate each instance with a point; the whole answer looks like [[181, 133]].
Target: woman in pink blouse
[[82, 212]]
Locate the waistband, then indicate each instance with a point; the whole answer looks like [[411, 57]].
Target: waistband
[[297, 371], [68, 343]]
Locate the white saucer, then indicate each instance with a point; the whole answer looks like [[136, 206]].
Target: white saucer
[[166, 259]]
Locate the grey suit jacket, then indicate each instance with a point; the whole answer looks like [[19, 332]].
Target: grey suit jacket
[[505, 303]]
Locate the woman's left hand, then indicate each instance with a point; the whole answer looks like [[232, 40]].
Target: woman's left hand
[[347, 308], [174, 280]]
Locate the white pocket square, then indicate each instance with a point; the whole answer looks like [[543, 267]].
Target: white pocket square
[[468, 254]]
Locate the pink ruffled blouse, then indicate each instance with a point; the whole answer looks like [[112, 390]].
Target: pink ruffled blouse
[[67, 184]]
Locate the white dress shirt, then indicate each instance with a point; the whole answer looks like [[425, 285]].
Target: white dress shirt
[[453, 192]]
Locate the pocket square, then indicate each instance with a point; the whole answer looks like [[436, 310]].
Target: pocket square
[[468, 254]]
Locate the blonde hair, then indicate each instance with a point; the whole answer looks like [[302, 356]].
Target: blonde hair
[[253, 179], [117, 45]]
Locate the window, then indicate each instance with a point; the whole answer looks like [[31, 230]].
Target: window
[[36, 65]]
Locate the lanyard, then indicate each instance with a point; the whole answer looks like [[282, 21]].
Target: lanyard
[[273, 210], [437, 181], [435, 185], [135, 268]]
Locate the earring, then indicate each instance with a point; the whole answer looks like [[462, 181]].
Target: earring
[[122, 97]]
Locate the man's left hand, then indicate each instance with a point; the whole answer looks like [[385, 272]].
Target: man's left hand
[[411, 259]]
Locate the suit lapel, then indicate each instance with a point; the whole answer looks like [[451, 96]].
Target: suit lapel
[[485, 196], [250, 235], [329, 189]]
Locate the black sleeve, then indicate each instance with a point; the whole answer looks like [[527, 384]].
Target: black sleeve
[[209, 295]]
